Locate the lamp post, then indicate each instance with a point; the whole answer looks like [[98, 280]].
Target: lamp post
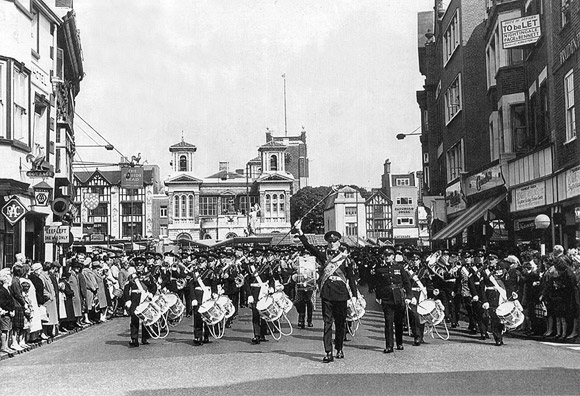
[[401, 136], [108, 147], [542, 222]]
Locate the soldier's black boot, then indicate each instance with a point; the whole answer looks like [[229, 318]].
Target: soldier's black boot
[[328, 358]]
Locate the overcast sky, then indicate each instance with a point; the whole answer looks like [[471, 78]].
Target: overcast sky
[[213, 69]]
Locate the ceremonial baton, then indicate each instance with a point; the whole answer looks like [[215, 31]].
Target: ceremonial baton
[[333, 190]]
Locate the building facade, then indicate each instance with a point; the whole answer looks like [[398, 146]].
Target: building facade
[[108, 211], [528, 163], [254, 200], [40, 73]]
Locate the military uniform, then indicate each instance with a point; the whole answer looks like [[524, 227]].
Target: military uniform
[[335, 291], [134, 294], [392, 287]]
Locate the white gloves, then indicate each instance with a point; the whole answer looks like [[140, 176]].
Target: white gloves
[[514, 295], [128, 304], [414, 301], [407, 301], [250, 299], [475, 298], [270, 290], [194, 303], [485, 305], [436, 292]]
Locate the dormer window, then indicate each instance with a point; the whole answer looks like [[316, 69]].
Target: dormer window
[[183, 163], [273, 163]]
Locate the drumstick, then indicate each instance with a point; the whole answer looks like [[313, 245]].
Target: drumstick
[[408, 320]]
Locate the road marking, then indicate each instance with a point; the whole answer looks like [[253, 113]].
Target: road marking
[[567, 346]]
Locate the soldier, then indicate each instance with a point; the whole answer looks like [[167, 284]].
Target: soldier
[[336, 284], [137, 290], [393, 291]]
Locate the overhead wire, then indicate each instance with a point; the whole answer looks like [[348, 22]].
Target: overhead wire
[[101, 136]]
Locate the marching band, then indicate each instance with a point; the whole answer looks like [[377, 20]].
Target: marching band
[[421, 292]]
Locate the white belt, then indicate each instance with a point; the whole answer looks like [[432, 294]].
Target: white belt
[[255, 285], [335, 278], [416, 289], [490, 288]]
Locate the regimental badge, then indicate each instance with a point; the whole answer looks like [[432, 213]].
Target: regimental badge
[[14, 210]]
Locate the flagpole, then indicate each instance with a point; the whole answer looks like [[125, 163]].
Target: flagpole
[[285, 120]]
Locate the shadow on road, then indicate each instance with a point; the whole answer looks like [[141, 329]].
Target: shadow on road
[[471, 382]]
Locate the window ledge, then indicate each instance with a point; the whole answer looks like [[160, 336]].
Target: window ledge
[[570, 140], [454, 117]]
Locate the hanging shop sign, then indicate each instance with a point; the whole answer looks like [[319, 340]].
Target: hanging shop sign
[[484, 181], [530, 196], [520, 31], [14, 210], [132, 177], [454, 200], [91, 200]]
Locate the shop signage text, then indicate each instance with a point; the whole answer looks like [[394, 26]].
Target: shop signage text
[[531, 196], [573, 182], [520, 31], [484, 181], [56, 234]]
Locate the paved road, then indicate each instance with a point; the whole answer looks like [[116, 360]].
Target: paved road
[[97, 361]]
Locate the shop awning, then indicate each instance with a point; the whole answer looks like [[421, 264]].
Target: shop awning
[[467, 218]]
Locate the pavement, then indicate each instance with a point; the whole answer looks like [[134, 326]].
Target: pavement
[[98, 361]]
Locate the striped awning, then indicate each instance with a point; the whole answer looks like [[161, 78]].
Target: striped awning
[[467, 218]]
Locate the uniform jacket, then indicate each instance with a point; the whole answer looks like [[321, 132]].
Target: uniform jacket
[[333, 289], [391, 283]]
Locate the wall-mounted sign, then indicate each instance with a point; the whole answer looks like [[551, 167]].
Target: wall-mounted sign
[[91, 200], [530, 196], [454, 200], [14, 210], [573, 182], [484, 181], [41, 198], [56, 234], [132, 177], [520, 31]]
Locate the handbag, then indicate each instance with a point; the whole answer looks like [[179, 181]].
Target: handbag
[[540, 310], [43, 313]]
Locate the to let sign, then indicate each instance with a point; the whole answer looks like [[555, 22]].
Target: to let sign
[[520, 31], [56, 234]]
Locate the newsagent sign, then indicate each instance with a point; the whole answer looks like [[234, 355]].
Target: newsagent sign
[[520, 31]]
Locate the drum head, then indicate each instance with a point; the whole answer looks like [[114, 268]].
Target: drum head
[[141, 307], [505, 308], [170, 298], [425, 307], [264, 303]]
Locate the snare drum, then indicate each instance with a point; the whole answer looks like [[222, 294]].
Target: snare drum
[[354, 311], [283, 301], [176, 307], [148, 312], [430, 312], [227, 306], [211, 312], [162, 302], [268, 309], [510, 315]]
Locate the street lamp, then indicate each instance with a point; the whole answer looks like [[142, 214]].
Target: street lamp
[[542, 222], [108, 147], [401, 136]]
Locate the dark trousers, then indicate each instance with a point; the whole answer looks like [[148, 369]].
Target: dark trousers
[[259, 324], [333, 312], [200, 329], [393, 314], [481, 317], [496, 325], [134, 328], [235, 301], [469, 312], [417, 328], [304, 306], [187, 294]]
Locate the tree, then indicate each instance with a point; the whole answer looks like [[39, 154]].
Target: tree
[[303, 201]]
